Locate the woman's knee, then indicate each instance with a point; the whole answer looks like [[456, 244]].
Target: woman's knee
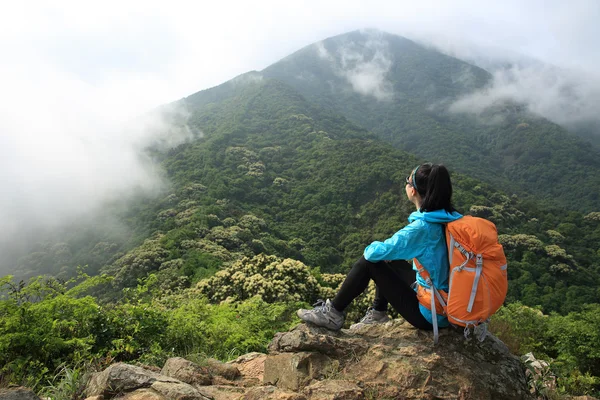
[[362, 261]]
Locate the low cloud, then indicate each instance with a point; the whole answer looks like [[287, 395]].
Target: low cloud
[[247, 78], [68, 147], [563, 96], [365, 68]]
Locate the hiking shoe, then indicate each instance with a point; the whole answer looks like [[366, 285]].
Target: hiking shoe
[[372, 317], [323, 315]]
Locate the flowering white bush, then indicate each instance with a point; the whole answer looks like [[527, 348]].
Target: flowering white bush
[[271, 278]]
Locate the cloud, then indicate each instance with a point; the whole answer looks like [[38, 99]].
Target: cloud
[[248, 78], [67, 146], [74, 73], [364, 68], [563, 96]]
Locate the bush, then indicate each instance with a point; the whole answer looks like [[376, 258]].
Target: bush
[[523, 329], [227, 330], [271, 278]]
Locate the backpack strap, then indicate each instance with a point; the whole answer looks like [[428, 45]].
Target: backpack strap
[[434, 294], [434, 320]]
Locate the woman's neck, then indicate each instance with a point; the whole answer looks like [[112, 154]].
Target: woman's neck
[[417, 204]]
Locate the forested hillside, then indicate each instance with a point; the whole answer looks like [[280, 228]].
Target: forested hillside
[[276, 199], [276, 175], [406, 94]]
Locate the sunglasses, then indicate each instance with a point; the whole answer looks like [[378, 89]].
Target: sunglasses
[[408, 182]]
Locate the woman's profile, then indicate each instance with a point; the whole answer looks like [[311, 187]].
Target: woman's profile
[[429, 188]]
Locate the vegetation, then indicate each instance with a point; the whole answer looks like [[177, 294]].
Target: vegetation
[[272, 206], [570, 342], [505, 145], [47, 329]]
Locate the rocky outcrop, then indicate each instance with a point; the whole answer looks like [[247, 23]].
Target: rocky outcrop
[[394, 360], [186, 371], [389, 361], [18, 393], [126, 381]]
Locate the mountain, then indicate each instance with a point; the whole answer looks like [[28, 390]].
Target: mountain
[[278, 175], [409, 95], [268, 208], [568, 97]]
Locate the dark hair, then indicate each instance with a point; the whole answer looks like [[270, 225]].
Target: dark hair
[[433, 184]]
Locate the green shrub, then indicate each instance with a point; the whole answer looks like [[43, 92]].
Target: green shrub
[[226, 330]]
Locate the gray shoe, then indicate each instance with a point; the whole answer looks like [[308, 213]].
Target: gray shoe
[[323, 315], [372, 317]]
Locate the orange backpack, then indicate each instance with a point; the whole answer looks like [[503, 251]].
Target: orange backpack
[[478, 278]]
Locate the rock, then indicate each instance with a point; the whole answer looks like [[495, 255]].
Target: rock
[[334, 390], [538, 371], [387, 361], [186, 371], [311, 338], [246, 357], [294, 370], [177, 390], [18, 393], [225, 370], [395, 360], [271, 393], [456, 368], [219, 392], [124, 379], [119, 378], [95, 398], [251, 367], [143, 394], [152, 368]]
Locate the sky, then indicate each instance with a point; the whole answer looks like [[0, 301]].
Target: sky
[[73, 73]]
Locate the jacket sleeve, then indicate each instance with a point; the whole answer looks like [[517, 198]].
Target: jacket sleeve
[[405, 244]]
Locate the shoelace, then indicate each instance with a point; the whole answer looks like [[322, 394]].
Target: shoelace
[[368, 315], [321, 306]]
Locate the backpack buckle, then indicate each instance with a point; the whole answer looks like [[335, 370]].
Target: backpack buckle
[[479, 260]]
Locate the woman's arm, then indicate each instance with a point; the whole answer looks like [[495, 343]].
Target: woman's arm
[[405, 244]]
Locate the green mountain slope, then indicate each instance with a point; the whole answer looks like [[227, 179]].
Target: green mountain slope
[[327, 188], [277, 175], [402, 92]]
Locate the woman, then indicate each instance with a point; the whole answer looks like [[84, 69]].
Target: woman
[[429, 188]]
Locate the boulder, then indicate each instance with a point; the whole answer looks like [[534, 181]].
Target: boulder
[[227, 371], [396, 360], [143, 394], [386, 361], [251, 367], [271, 393], [222, 392], [121, 380], [186, 371], [321, 340], [334, 390], [18, 393], [177, 390], [293, 371]]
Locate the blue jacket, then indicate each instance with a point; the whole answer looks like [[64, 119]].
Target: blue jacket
[[423, 238]]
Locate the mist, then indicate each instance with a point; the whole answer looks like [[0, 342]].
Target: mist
[[68, 148], [567, 97], [366, 73], [79, 80]]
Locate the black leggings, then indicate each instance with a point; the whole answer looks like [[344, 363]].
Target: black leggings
[[393, 281]]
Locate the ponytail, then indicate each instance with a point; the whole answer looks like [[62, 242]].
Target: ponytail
[[433, 184]]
